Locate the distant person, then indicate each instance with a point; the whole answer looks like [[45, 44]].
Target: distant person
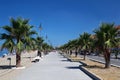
[[37, 58], [70, 52], [39, 54], [76, 53]]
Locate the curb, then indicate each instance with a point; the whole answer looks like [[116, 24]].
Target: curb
[[96, 60], [72, 60], [104, 62], [87, 72], [90, 74]]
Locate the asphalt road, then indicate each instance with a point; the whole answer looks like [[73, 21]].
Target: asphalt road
[[114, 61]]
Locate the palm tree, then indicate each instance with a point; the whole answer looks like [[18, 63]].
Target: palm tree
[[46, 47], [106, 40], [73, 44], [17, 37], [39, 42], [64, 47], [85, 41]]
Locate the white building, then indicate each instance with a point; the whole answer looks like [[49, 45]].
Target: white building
[[118, 33]]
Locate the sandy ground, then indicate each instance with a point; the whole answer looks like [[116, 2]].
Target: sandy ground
[[9, 74], [113, 73]]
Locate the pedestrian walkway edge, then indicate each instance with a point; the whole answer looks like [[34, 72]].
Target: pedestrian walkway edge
[[92, 75]]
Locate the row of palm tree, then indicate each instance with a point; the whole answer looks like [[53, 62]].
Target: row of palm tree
[[103, 41], [19, 36]]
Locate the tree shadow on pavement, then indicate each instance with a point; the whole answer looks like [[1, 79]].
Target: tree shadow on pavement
[[73, 67], [62, 56], [94, 67], [28, 57], [6, 66], [65, 60]]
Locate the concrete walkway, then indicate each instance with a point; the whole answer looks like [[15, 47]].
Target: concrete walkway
[[53, 67]]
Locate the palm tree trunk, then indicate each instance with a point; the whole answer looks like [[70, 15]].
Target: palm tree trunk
[[18, 59], [116, 55], [107, 58], [84, 55], [76, 52]]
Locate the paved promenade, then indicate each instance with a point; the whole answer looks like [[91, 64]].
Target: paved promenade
[[53, 67]]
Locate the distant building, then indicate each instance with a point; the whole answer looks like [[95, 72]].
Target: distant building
[[93, 36], [118, 32]]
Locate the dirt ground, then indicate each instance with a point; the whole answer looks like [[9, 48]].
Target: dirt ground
[[113, 73], [10, 74]]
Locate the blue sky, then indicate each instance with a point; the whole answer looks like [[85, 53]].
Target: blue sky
[[62, 20]]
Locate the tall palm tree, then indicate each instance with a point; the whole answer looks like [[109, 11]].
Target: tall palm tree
[[85, 41], [64, 47], [17, 37], [106, 40], [39, 42], [46, 47], [73, 44]]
